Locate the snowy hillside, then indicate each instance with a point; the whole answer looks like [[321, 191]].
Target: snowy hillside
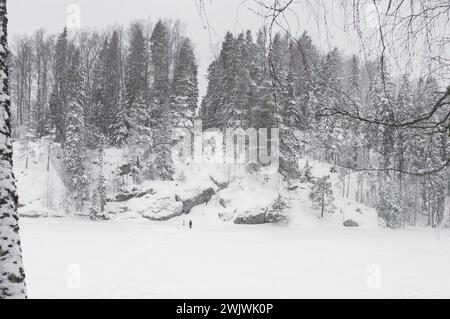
[[236, 192]]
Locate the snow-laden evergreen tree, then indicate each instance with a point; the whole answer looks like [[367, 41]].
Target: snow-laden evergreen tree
[[288, 121], [239, 114], [160, 60], [329, 128], [119, 130], [140, 139], [184, 97], [351, 154], [322, 195], [212, 102], [74, 146], [307, 85], [161, 105], [12, 275], [58, 97], [136, 66], [44, 47], [106, 100], [113, 101], [307, 174], [98, 119], [433, 186], [97, 210], [163, 165], [389, 204], [403, 136], [239, 85], [380, 107]]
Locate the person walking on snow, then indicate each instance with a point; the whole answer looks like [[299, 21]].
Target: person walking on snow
[[190, 224]]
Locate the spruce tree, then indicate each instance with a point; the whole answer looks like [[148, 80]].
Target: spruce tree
[[114, 112], [58, 97], [119, 130], [322, 195], [99, 117], [212, 102], [136, 67], [184, 97], [161, 106], [97, 210], [140, 138], [74, 146]]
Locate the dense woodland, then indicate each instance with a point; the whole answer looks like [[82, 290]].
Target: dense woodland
[[130, 86]]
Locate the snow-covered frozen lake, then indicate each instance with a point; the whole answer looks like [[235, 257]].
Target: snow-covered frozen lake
[[82, 259]]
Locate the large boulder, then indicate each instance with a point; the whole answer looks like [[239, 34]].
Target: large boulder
[[202, 197], [350, 223], [251, 218], [163, 208]]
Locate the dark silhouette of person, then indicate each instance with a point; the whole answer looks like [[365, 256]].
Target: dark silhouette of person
[[190, 224]]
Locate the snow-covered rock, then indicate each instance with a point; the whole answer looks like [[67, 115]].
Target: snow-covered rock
[[163, 209], [350, 223], [251, 218], [202, 197]]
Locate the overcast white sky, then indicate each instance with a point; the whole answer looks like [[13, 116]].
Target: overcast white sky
[[25, 16]]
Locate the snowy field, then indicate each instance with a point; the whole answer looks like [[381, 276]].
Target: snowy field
[[133, 259]]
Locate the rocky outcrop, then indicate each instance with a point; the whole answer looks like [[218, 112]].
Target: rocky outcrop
[[203, 198], [251, 218], [220, 185], [123, 197], [273, 214], [163, 208], [350, 223]]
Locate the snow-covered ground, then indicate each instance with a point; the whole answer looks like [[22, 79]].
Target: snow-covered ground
[[69, 258], [130, 256]]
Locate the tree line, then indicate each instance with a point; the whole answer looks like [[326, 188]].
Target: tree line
[[88, 90], [132, 88], [288, 83]]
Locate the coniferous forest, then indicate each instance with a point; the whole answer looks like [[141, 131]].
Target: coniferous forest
[[129, 86]]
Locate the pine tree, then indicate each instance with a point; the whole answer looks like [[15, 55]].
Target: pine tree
[[160, 106], [229, 71], [212, 102], [58, 97], [390, 204], [12, 275], [307, 85], [403, 136], [107, 104], [351, 154], [380, 99], [119, 130], [74, 146], [99, 119], [307, 174], [140, 138], [433, 186], [329, 129], [288, 121], [97, 210], [184, 97], [114, 112], [163, 165], [322, 195], [136, 66], [43, 46]]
